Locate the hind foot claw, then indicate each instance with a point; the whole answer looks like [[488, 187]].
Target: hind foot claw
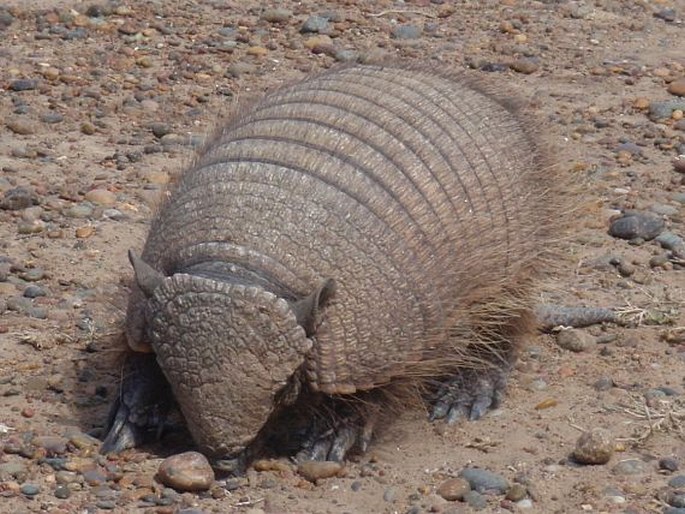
[[139, 412], [469, 395]]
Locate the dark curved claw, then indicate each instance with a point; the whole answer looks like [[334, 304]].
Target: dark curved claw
[[469, 395], [139, 412], [334, 440]]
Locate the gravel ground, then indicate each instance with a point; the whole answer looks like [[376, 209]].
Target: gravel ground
[[101, 103]]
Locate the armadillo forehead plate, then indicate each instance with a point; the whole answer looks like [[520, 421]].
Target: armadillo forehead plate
[[227, 350]]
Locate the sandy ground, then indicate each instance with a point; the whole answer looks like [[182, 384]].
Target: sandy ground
[[102, 102]]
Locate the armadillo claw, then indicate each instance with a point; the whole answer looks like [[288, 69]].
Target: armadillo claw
[[334, 443], [469, 395], [139, 412]]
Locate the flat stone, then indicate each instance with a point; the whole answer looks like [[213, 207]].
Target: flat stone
[[634, 225]]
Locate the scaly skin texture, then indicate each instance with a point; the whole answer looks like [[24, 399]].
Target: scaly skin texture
[[368, 226]]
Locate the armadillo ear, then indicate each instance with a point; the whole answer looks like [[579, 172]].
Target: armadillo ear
[[147, 277], [308, 309]]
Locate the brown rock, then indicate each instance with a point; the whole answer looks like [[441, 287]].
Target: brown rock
[[21, 126], [594, 447], [314, 470], [525, 66], [101, 197], [454, 489], [189, 471], [677, 87]]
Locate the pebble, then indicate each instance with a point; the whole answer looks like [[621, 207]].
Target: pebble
[[666, 14], [314, 470], [79, 211], [94, 477], [21, 126], [575, 340], [32, 274], [277, 15], [634, 225], [663, 110], [630, 467], [54, 445], [17, 198], [31, 227], [315, 24], [101, 197], [52, 117], [516, 492], [668, 464], [237, 69], [189, 471], [23, 84], [160, 129], [390, 495], [406, 32], [19, 304], [677, 481], [483, 480], [87, 128], [62, 492], [63, 477], [30, 489], [454, 489], [34, 291], [475, 500], [15, 470], [677, 87], [345, 55], [595, 446], [525, 66], [677, 500]]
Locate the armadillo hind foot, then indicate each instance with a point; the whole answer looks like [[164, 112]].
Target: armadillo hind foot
[[139, 413], [469, 394]]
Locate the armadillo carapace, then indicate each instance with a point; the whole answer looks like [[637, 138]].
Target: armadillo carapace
[[368, 228]]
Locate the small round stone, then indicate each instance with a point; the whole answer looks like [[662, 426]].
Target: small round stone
[[314, 470], [453, 489], [189, 471], [407, 32], [595, 446], [316, 24], [277, 15], [575, 340], [668, 464], [101, 197], [630, 467], [30, 489], [62, 492], [677, 481], [525, 66]]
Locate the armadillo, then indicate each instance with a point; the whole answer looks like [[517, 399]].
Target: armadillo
[[374, 226]]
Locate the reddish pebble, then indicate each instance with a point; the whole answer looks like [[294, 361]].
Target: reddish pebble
[[28, 412]]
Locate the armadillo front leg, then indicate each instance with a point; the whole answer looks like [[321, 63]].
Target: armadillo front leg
[[469, 394], [347, 429], [140, 410]]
